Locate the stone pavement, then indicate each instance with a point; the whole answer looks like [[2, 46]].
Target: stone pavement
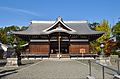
[[56, 69]]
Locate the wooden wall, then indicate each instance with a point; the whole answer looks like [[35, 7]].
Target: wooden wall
[[74, 48], [39, 48], [77, 48]]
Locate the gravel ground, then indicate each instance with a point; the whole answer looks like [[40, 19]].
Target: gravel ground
[[57, 69]]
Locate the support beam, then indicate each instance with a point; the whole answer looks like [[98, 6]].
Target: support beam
[[59, 45]]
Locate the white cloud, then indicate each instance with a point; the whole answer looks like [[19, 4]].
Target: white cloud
[[20, 10]]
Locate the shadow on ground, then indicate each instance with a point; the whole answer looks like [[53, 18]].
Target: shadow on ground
[[5, 71]]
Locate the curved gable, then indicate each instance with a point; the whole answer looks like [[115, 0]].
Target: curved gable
[[58, 25]]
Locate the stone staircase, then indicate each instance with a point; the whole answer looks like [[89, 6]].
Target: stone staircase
[[53, 55], [65, 56], [62, 55]]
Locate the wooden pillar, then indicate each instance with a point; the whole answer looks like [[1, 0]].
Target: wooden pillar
[[59, 46], [49, 44]]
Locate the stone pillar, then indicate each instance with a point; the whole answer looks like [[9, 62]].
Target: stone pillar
[[12, 62]]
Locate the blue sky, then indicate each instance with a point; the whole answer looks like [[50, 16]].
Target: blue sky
[[21, 12]]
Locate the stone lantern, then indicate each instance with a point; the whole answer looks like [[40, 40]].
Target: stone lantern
[[102, 49], [102, 59], [12, 60]]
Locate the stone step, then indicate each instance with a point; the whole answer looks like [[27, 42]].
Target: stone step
[[61, 55]]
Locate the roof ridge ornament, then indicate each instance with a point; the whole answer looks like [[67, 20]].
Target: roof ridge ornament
[[59, 18]]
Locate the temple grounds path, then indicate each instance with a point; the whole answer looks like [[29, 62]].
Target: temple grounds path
[[56, 69]]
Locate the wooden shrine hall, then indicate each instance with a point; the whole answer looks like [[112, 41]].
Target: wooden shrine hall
[[58, 38]]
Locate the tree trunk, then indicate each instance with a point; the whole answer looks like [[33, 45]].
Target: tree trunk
[[19, 58]]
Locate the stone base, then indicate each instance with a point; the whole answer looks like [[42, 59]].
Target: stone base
[[12, 62], [103, 60], [116, 77], [90, 77]]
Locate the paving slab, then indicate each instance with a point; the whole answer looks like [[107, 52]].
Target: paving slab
[[56, 69]]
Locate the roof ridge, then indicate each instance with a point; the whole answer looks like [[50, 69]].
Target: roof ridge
[[42, 21], [82, 21]]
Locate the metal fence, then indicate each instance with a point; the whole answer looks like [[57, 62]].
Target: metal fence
[[103, 67]]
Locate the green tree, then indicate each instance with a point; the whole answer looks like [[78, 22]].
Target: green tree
[[6, 35], [103, 26], [93, 25], [23, 28], [116, 33], [3, 35]]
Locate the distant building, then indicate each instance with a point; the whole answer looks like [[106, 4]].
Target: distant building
[[53, 38]]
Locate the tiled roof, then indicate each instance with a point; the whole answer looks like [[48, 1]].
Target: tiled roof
[[38, 27]]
